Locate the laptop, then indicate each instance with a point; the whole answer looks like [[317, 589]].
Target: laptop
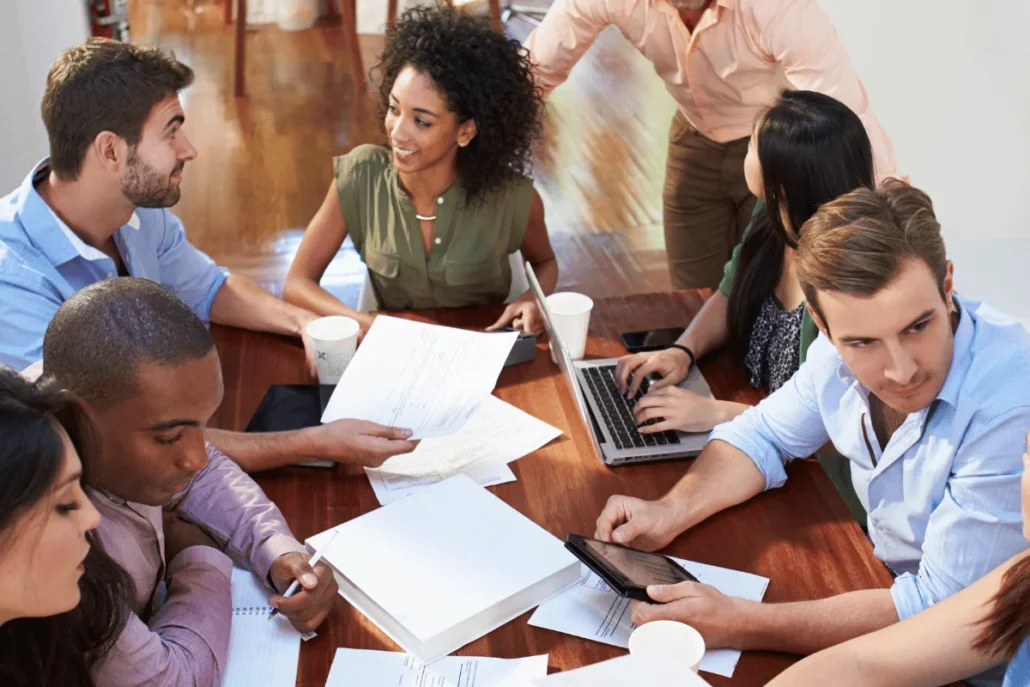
[[607, 413]]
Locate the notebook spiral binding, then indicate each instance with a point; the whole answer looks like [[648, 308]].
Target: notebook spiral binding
[[252, 610]]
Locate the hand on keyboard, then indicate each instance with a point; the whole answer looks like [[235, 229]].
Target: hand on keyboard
[[671, 365]]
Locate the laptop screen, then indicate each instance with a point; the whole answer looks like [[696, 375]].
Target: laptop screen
[[565, 363]]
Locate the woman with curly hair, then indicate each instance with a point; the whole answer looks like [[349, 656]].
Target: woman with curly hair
[[437, 214], [63, 601]]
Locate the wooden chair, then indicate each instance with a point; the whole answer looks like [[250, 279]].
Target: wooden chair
[[349, 23]]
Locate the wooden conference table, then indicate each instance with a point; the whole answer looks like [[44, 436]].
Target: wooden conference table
[[800, 536]]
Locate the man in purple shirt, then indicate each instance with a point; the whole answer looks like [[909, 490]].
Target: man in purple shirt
[[175, 509]]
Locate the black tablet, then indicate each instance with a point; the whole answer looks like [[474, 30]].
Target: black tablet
[[627, 571], [287, 407]]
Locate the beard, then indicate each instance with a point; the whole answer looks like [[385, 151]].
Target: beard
[[145, 188]]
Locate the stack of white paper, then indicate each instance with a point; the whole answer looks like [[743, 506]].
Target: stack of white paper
[[627, 671], [446, 566], [361, 668], [592, 610], [497, 434], [421, 377]]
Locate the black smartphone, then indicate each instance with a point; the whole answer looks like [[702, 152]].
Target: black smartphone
[[627, 571], [651, 339]]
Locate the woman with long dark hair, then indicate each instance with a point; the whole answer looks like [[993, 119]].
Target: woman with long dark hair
[[806, 150], [62, 600], [437, 214], [986, 624]]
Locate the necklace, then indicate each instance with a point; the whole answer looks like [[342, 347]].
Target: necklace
[[425, 218]]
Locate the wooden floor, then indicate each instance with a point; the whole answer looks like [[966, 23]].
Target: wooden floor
[[264, 161]]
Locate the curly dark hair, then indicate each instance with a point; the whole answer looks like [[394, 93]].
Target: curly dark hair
[[484, 76]]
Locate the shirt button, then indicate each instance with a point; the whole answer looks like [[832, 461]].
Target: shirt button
[[110, 275], [439, 201], [438, 241]]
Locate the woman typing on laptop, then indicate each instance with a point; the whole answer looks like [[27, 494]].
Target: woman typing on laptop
[[436, 215], [805, 151]]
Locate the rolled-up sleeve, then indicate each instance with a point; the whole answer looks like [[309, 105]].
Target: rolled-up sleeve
[[25, 312], [563, 37], [800, 36], [978, 524], [784, 426], [187, 272], [231, 507], [187, 642]]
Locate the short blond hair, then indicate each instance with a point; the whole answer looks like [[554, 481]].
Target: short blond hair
[[857, 243]]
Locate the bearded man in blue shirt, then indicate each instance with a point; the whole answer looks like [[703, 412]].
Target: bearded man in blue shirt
[[97, 208]]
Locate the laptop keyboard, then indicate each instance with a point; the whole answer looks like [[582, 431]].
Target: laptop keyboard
[[618, 410]]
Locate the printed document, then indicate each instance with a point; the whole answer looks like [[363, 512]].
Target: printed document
[[496, 434], [361, 668], [593, 611], [423, 377]]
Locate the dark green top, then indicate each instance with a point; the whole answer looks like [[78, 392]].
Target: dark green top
[[468, 260], [837, 468], [808, 329]]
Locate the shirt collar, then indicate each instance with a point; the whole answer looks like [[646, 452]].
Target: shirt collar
[[963, 341], [960, 356], [46, 230]]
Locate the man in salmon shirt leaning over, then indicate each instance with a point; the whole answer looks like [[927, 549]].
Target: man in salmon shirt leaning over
[[723, 61]]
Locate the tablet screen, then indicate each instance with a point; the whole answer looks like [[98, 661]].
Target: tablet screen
[[640, 568]]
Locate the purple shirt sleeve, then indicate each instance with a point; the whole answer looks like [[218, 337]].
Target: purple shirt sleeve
[[187, 641], [234, 510]]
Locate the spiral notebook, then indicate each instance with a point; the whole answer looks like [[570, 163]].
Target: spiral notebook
[[261, 651]]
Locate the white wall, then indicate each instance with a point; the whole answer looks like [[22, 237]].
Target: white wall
[[948, 80], [32, 34]]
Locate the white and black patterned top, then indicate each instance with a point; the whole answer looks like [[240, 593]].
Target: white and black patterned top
[[774, 351]]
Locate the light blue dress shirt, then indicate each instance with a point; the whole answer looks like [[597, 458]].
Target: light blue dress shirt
[[42, 263], [943, 496], [1018, 674]]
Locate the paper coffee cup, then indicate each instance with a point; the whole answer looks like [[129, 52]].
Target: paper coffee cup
[[669, 638], [570, 315], [334, 340]]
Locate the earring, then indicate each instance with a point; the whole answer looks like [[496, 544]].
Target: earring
[[462, 144]]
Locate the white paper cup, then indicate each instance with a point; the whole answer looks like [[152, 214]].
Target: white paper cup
[[669, 638], [570, 314], [334, 340]]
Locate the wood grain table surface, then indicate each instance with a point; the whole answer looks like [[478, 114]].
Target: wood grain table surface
[[800, 536]]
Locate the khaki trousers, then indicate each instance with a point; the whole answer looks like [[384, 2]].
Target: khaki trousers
[[706, 204]]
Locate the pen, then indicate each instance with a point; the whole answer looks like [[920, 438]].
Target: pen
[[313, 562]]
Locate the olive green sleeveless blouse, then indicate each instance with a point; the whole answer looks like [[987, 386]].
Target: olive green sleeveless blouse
[[468, 261]]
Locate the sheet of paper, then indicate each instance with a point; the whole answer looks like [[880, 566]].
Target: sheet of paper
[[627, 671], [496, 434], [392, 487], [423, 377], [261, 651], [362, 668], [593, 611]]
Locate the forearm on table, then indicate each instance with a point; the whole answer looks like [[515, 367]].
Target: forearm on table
[[242, 303], [708, 330], [308, 294], [808, 626], [727, 410], [721, 477], [256, 452]]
